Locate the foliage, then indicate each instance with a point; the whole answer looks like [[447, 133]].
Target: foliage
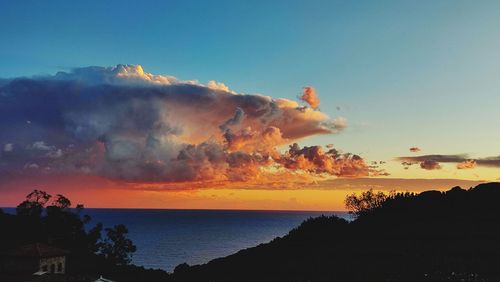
[[38, 196], [41, 220], [34, 204], [365, 202], [116, 248], [62, 202]]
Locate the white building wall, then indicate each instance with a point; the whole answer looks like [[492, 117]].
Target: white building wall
[[58, 264]]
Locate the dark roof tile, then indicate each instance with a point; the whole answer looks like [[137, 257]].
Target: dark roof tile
[[36, 250]]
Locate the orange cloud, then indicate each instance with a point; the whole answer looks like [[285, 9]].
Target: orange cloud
[[309, 96], [467, 164], [314, 160]]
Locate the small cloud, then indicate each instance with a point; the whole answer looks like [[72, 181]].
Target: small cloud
[[430, 165], [55, 154], [309, 96], [9, 147], [31, 166], [407, 165], [40, 145], [336, 125], [314, 160], [467, 164]]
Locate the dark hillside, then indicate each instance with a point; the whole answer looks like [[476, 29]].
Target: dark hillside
[[431, 236]]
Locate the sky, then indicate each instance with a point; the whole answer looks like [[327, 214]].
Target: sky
[[389, 75]]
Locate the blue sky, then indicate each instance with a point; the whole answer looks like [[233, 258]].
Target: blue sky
[[404, 73]]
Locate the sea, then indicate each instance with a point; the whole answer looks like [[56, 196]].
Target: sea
[[167, 238]]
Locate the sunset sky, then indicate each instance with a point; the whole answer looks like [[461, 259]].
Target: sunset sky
[[197, 104]]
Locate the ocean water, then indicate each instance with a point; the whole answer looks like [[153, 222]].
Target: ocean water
[[166, 238]]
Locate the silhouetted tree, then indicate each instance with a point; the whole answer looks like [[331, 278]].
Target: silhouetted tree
[[117, 248], [365, 202], [39, 196], [34, 203], [61, 202], [42, 218], [94, 236]]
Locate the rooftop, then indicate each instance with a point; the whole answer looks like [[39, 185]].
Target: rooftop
[[36, 250]]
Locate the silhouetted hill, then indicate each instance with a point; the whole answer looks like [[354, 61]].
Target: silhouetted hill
[[431, 236]]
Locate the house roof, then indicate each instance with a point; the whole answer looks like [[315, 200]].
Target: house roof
[[36, 250]]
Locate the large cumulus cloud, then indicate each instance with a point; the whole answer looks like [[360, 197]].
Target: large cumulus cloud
[[125, 123]]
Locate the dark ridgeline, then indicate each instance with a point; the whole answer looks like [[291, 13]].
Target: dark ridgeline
[[431, 236]]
